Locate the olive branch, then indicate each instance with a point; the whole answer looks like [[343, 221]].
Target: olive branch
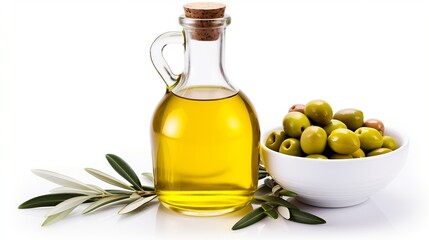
[[71, 193]]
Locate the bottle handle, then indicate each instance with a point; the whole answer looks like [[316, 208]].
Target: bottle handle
[[158, 60]]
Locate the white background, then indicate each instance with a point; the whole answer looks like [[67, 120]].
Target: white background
[[77, 83]]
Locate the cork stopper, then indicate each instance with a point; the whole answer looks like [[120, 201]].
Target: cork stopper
[[204, 10], [205, 30]]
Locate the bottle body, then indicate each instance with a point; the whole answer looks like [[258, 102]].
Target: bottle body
[[205, 151], [205, 133]]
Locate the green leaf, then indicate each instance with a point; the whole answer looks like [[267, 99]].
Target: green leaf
[[70, 203], [56, 217], [148, 176], [252, 217], [297, 215], [63, 180], [148, 188], [276, 200], [269, 182], [99, 189], [73, 190], [287, 193], [108, 179], [135, 195], [47, 200], [104, 201], [115, 191], [64, 208], [269, 210], [262, 175], [136, 204], [124, 170]]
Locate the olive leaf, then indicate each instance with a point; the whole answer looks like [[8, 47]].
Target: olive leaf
[[124, 170], [68, 204], [287, 193], [148, 188], [104, 201], [284, 212], [269, 182], [262, 174], [252, 217], [73, 193], [47, 200], [269, 210], [297, 215], [62, 180], [136, 204], [273, 205], [100, 190], [115, 191], [56, 217], [108, 179], [135, 196], [72, 190], [276, 200], [276, 188], [148, 176]]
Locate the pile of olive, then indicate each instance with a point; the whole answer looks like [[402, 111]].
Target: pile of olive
[[313, 131]]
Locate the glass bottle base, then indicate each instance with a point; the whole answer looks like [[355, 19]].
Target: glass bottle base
[[204, 203]]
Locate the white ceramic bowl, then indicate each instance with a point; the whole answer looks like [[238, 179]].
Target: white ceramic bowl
[[335, 183]]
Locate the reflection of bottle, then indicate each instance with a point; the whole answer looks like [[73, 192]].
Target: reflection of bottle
[[169, 225], [204, 132]]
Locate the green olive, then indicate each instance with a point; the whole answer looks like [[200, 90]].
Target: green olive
[[378, 151], [375, 123], [319, 112], [389, 142], [333, 124], [353, 118], [340, 156], [343, 141], [313, 140], [370, 138], [297, 108], [358, 153], [291, 146], [294, 123], [275, 139], [316, 156]]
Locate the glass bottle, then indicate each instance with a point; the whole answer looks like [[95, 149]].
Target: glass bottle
[[204, 132]]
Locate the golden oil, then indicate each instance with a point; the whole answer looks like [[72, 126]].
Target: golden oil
[[205, 151]]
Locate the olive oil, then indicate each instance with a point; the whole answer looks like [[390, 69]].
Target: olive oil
[[205, 150], [205, 133]]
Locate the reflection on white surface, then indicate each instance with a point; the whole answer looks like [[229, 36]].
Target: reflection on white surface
[[360, 219], [171, 225], [394, 213], [363, 219]]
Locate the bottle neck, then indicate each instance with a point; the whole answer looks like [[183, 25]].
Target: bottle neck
[[204, 64], [204, 60]]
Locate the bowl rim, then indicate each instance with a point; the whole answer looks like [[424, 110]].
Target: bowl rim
[[391, 131]]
